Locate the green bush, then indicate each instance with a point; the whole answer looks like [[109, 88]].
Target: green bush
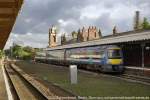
[[25, 53], [1, 53], [145, 24]]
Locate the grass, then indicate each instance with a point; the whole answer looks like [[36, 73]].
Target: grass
[[88, 84]]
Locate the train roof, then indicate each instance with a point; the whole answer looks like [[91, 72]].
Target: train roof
[[119, 38]]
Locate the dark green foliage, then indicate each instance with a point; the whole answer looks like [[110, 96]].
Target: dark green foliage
[[79, 36], [63, 39], [22, 52], [74, 34], [145, 24], [1, 53]]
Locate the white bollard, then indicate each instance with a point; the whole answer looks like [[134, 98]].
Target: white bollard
[[73, 74]]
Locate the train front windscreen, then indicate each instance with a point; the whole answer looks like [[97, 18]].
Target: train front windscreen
[[114, 53], [114, 57]]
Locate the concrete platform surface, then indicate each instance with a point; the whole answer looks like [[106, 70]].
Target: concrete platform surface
[[22, 89], [3, 92]]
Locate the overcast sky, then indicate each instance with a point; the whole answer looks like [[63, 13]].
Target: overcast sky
[[36, 16]]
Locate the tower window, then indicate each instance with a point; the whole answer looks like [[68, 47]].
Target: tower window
[[95, 34], [54, 38]]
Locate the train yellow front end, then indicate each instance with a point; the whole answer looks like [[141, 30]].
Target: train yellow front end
[[114, 60]]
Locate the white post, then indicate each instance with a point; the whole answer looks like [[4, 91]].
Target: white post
[[73, 74]]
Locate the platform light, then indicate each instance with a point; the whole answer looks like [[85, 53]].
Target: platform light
[[147, 48]]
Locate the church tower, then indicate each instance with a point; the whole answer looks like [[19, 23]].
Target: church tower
[[52, 37]]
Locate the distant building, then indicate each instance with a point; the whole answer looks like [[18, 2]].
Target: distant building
[[52, 36], [63, 39], [84, 34], [90, 33]]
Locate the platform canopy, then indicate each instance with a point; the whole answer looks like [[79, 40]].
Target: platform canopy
[[9, 10]]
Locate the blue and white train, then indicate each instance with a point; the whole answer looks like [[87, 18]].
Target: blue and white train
[[107, 58]]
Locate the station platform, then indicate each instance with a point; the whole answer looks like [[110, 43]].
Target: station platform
[[89, 84], [139, 71], [3, 92]]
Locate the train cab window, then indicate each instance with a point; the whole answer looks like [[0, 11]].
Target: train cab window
[[114, 53]]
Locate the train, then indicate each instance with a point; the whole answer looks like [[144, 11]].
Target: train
[[106, 58]]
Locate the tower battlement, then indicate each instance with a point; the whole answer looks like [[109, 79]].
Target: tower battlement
[[52, 36]]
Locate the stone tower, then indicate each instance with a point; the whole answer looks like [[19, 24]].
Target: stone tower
[[85, 34], [52, 36], [93, 33]]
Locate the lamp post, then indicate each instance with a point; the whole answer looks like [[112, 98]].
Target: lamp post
[[142, 46]]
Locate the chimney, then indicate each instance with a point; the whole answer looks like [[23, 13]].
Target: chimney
[[136, 20]]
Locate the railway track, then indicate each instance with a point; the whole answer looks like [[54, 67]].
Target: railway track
[[134, 78], [26, 87], [127, 77], [130, 78], [20, 88]]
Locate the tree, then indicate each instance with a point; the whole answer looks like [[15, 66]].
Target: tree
[[114, 30], [74, 34], [18, 51], [30, 52], [22, 52], [145, 24], [1, 53], [80, 36], [100, 33]]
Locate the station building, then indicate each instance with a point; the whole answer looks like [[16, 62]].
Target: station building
[[135, 46], [83, 34]]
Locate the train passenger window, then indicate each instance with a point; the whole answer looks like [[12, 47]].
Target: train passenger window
[[114, 53], [102, 54]]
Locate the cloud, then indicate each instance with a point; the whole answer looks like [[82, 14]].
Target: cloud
[[29, 39], [90, 12], [37, 16]]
